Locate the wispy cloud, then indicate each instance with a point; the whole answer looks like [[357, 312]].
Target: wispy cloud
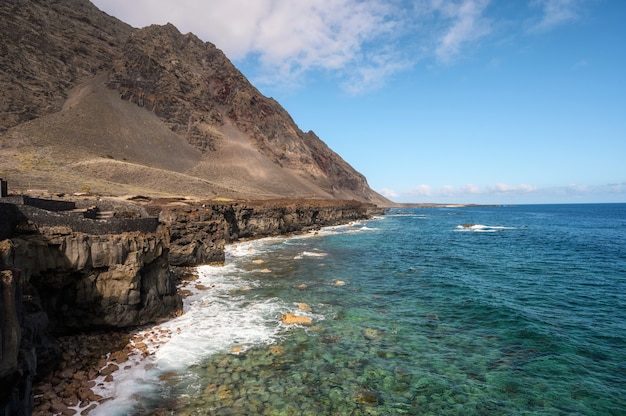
[[291, 38], [360, 43], [287, 39], [464, 24], [505, 193], [555, 13], [469, 189]]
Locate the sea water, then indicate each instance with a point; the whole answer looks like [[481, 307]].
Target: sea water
[[513, 310]]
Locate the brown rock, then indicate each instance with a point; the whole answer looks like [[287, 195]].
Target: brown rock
[[277, 350], [119, 356], [57, 406], [93, 397], [142, 347], [223, 392], [80, 376], [66, 374], [88, 409], [291, 319], [49, 395], [84, 393], [71, 401], [109, 369], [304, 307]]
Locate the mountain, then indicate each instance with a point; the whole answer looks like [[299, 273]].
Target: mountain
[[89, 103]]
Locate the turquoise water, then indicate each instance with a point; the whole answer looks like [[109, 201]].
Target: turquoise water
[[467, 311]]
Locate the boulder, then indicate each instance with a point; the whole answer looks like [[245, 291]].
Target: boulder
[[291, 319]]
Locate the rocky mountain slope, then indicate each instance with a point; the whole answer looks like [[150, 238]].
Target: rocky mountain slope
[[90, 103]]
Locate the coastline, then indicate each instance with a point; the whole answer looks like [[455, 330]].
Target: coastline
[[374, 356], [88, 356]]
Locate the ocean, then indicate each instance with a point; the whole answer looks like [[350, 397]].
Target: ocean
[[509, 310]]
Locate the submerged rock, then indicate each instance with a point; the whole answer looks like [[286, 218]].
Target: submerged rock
[[368, 397], [372, 334], [304, 307]]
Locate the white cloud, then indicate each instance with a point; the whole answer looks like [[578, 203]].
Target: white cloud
[[470, 189], [287, 38], [555, 13], [506, 193], [388, 193], [504, 188], [463, 193], [420, 190], [467, 24]]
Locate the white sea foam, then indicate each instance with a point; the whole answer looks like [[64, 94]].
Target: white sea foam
[[406, 215], [366, 228], [313, 254], [215, 320], [480, 228]]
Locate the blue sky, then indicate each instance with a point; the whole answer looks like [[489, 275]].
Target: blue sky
[[470, 101]]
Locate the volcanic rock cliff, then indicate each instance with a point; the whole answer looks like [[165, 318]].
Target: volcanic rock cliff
[[87, 102]]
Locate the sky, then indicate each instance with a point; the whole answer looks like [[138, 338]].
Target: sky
[[446, 101]]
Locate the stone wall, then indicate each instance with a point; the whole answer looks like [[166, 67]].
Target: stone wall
[[77, 222], [90, 226]]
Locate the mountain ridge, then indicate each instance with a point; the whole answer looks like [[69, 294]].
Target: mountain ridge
[[110, 108]]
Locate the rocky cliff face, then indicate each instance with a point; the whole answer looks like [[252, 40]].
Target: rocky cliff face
[[199, 232], [57, 279], [25, 346], [88, 281], [13, 367], [46, 47]]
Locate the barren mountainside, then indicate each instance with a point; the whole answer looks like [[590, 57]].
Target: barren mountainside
[[88, 102]]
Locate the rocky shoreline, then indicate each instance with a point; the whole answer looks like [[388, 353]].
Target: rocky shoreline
[[90, 289]]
